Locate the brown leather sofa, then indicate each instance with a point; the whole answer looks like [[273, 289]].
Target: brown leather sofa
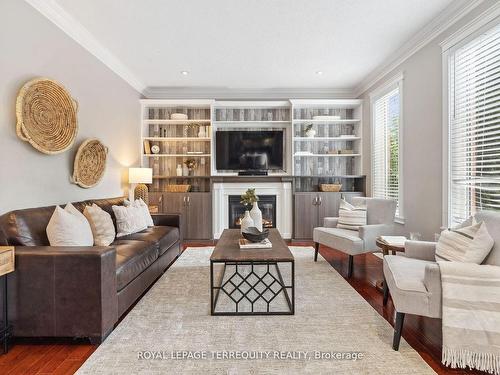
[[81, 291]]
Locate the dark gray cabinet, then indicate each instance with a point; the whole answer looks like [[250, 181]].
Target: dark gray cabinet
[[310, 208], [196, 211]]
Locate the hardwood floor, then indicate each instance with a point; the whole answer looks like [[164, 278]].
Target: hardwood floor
[[66, 356]]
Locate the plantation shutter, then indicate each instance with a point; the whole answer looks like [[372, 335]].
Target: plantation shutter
[[474, 127], [385, 147]]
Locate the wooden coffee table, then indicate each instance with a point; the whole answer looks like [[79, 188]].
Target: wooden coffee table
[[255, 277]]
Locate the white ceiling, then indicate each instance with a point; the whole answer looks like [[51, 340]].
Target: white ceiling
[[252, 44]]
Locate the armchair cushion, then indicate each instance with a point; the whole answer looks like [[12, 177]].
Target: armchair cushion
[[406, 279], [345, 240]]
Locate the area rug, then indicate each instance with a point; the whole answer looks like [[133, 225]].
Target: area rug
[[171, 331]]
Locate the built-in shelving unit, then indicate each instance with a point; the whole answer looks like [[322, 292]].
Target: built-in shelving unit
[[333, 154], [177, 140]]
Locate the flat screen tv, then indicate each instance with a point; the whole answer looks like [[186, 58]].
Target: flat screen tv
[[249, 150]]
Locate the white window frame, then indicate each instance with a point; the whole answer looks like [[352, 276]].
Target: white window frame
[[394, 82], [469, 32]]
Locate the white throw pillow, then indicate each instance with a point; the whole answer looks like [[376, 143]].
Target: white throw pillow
[[351, 217], [469, 244], [69, 227], [129, 219], [144, 209], [101, 224]]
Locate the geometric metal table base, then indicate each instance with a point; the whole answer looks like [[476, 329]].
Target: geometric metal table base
[[245, 284]]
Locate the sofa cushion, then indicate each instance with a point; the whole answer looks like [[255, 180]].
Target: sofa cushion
[[132, 258], [163, 237], [341, 239]]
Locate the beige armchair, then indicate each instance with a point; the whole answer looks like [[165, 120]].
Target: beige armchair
[[380, 221], [414, 280]]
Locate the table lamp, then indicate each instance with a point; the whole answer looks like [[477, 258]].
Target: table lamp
[[140, 176]]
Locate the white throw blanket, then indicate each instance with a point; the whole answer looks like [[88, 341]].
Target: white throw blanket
[[471, 316]]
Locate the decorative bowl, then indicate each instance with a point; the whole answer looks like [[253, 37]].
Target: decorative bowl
[[252, 234]]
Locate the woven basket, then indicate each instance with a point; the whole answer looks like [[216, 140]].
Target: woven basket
[[90, 163], [46, 116], [177, 188], [330, 187]]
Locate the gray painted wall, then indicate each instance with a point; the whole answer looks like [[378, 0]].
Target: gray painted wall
[[422, 133], [108, 109]]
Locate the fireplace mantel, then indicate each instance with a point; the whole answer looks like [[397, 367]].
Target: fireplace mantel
[[282, 190]]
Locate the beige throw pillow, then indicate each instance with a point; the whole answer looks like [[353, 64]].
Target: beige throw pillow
[[129, 220], [351, 217], [139, 203], [69, 227], [101, 224], [469, 244]]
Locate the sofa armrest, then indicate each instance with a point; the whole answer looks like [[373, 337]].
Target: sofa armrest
[[169, 220], [422, 250], [330, 222], [64, 291], [369, 234]]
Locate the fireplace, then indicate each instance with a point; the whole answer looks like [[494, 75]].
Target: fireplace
[[267, 204]]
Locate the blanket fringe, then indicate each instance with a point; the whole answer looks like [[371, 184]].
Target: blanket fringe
[[462, 358]]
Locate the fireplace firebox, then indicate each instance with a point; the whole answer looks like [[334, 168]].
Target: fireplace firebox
[[267, 204]]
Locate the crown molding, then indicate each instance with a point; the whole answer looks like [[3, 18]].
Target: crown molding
[[62, 19], [443, 21], [245, 93], [488, 16]]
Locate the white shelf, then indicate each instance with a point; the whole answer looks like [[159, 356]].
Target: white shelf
[[175, 122], [251, 122], [175, 155], [327, 138], [325, 155], [340, 121], [174, 139]]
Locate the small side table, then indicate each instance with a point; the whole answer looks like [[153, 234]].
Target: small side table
[[7, 258], [386, 248]]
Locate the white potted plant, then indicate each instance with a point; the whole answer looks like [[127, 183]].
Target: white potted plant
[[254, 216]]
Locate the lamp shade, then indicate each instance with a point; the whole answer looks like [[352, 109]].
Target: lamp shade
[[140, 175]]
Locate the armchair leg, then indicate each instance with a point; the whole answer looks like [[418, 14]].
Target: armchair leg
[[386, 292], [398, 329], [316, 251], [350, 266]]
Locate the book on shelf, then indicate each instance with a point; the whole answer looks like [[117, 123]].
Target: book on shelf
[[245, 244], [398, 241], [147, 147]]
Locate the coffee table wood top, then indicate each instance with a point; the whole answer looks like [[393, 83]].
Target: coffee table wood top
[[228, 249]]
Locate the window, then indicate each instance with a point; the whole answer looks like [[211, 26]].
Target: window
[[474, 126], [386, 105]]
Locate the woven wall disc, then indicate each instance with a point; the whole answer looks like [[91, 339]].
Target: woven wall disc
[[46, 116], [90, 163]]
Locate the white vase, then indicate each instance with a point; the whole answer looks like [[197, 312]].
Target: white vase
[[201, 132], [256, 215], [247, 221]]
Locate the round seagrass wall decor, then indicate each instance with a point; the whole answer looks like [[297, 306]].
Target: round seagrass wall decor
[[90, 163], [46, 116]]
